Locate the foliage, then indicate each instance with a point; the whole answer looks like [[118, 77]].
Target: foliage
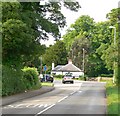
[[56, 53], [83, 26], [113, 15], [76, 52], [106, 75], [24, 24], [30, 75], [87, 34], [113, 102], [58, 76], [12, 81], [47, 84]]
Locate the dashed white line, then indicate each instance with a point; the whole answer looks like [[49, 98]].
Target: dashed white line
[[10, 106], [36, 105], [72, 93], [45, 110], [79, 91], [28, 105], [62, 99], [45, 105], [40, 105], [18, 106]]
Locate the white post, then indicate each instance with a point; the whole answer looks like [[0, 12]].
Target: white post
[[53, 66], [114, 54], [41, 64], [83, 61]]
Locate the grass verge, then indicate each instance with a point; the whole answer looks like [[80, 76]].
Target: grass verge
[[113, 103], [47, 84]]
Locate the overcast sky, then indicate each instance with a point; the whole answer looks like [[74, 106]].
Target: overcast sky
[[96, 9]]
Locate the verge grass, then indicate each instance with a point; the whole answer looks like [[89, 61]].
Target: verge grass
[[113, 102], [47, 84]]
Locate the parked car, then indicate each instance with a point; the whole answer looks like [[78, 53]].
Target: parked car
[[47, 78], [67, 78]]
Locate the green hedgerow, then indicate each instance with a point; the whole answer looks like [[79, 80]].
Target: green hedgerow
[[30, 76]]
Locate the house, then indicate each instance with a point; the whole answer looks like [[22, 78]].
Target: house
[[68, 68]]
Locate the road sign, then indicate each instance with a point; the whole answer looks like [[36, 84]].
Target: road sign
[[45, 68]]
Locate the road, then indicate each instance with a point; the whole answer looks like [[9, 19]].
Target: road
[[78, 98]]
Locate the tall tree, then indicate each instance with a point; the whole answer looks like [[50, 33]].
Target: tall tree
[[56, 54], [25, 23], [84, 26]]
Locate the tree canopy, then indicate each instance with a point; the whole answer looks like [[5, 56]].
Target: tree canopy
[[24, 24]]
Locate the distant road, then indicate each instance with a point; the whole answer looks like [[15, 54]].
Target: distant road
[[78, 98]]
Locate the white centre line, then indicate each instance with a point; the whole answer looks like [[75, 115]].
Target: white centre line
[[62, 99], [73, 92], [10, 106], [40, 105], [45, 105], [18, 106], [79, 91], [44, 110], [28, 105]]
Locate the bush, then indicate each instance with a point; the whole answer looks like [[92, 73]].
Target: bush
[[106, 75], [58, 76], [12, 81], [15, 80], [30, 76]]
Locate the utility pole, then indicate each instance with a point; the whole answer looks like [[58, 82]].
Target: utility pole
[[41, 64], [83, 61], [114, 65]]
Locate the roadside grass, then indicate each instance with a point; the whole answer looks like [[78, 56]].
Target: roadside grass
[[47, 84], [55, 78], [113, 103]]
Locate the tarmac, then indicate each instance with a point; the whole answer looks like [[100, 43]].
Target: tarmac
[[17, 97]]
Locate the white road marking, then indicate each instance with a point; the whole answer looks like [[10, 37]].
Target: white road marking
[[18, 106], [40, 105], [45, 105], [73, 92], [44, 110], [4, 107], [36, 105], [79, 91], [11, 106], [28, 105], [62, 99]]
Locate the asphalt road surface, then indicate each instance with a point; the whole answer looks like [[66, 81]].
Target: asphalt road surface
[[78, 98]]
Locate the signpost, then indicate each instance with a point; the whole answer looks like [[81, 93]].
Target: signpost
[[45, 68]]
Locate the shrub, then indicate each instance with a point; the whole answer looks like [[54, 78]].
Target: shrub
[[106, 75], [58, 76], [12, 81], [30, 76]]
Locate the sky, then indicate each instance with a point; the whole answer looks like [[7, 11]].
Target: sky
[[96, 9]]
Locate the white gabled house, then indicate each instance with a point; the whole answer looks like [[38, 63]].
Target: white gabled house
[[68, 68]]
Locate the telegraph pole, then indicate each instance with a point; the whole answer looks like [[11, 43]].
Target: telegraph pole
[[41, 64], [83, 61]]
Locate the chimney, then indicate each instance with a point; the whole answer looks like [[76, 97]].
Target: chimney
[[69, 61], [52, 66]]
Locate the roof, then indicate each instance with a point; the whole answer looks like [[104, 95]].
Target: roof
[[70, 68], [67, 68], [57, 68]]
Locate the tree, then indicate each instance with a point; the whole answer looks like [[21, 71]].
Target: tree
[[95, 34], [83, 26], [110, 54], [76, 51], [25, 23], [55, 54]]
